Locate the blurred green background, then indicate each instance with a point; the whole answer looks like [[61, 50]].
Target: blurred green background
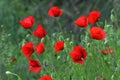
[[12, 11]]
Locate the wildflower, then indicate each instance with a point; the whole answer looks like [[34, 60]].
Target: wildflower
[[107, 51], [46, 78], [28, 22], [55, 12], [35, 66], [93, 17], [104, 52], [82, 22], [110, 51], [78, 54], [28, 49], [97, 33], [59, 46], [40, 32], [40, 48]]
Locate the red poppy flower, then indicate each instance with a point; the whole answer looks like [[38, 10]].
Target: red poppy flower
[[40, 32], [93, 17], [55, 12], [104, 52], [35, 66], [82, 22], [28, 22], [59, 46], [46, 78], [13, 59], [97, 33], [40, 48], [107, 51], [28, 49], [110, 51], [80, 50], [78, 55]]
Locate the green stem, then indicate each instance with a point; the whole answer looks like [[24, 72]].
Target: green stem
[[36, 57], [59, 24], [8, 72], [60, 27]]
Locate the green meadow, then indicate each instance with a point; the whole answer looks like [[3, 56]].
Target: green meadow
[[59, 65]]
